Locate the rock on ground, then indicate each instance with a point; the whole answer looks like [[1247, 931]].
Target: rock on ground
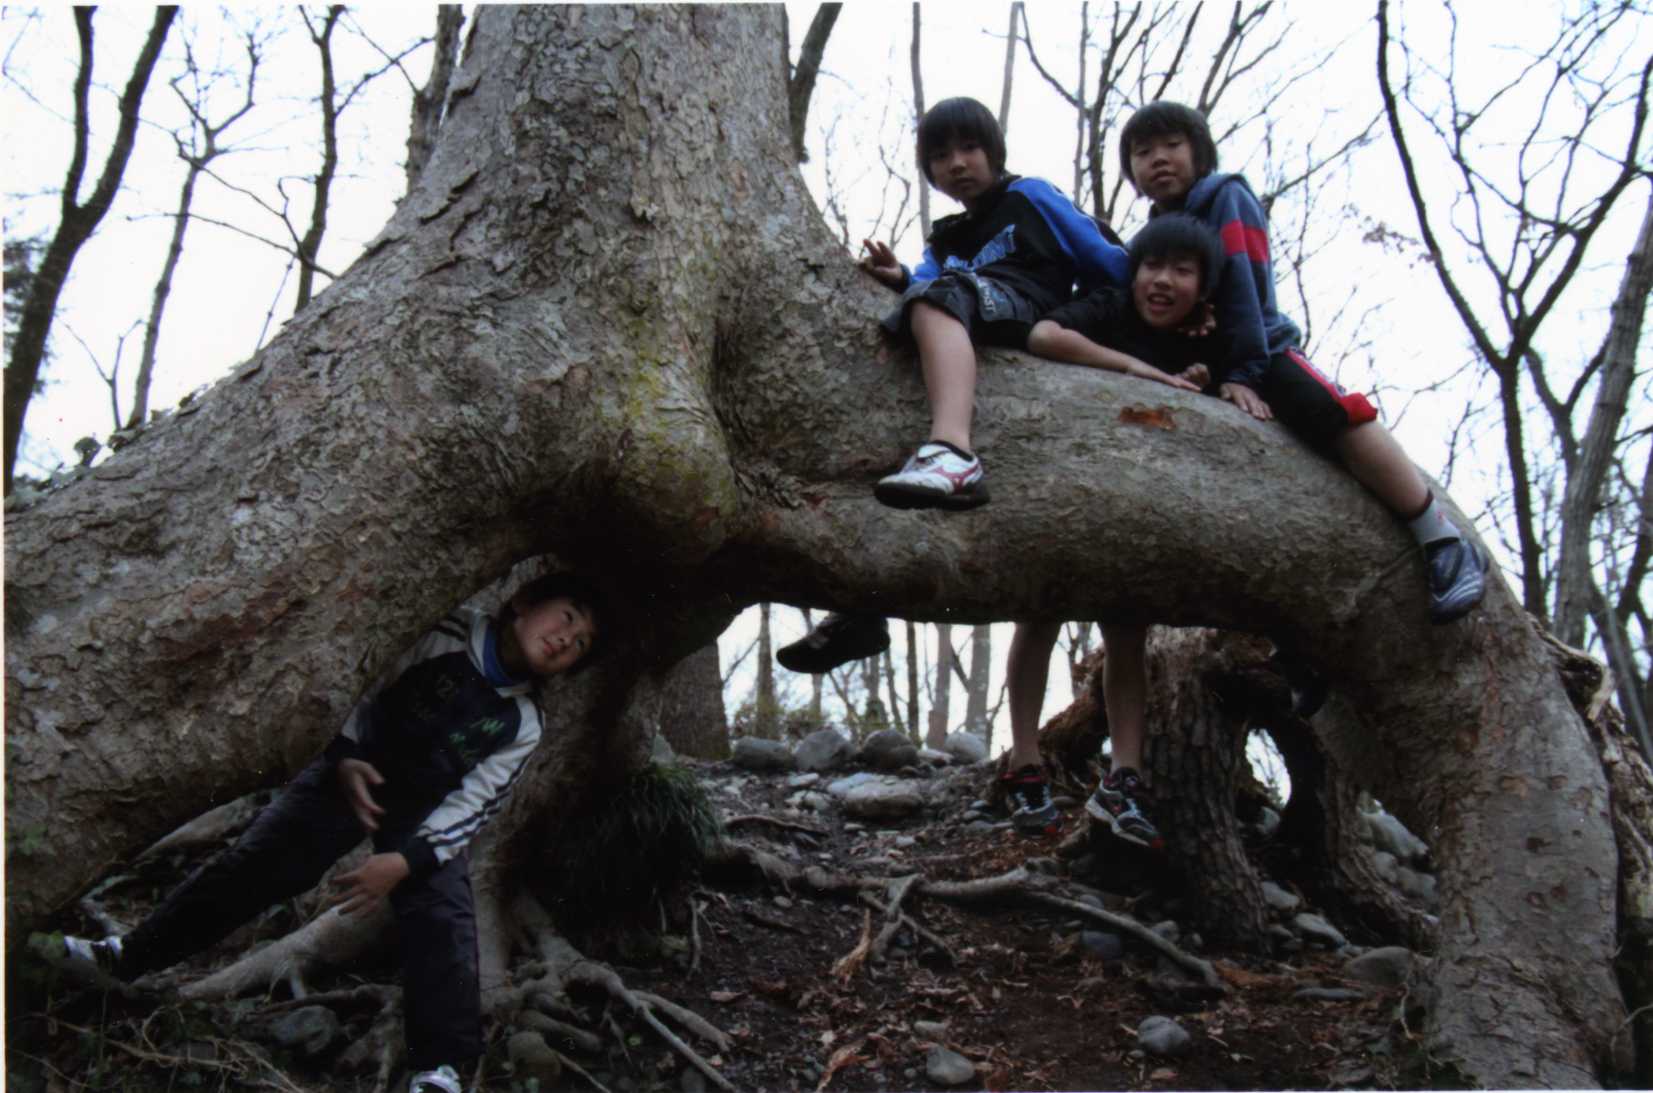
[[1387, 967], [1159, 1035], [888, 749], [965, 747], [945, 1067], [878, 796], [752, 753], [822, 749]]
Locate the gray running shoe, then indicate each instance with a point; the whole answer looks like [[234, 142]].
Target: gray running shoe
[[1031, 810], [1457, 579], [1115, 804]]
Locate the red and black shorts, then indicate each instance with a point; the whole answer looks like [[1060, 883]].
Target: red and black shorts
[[1310, 403]]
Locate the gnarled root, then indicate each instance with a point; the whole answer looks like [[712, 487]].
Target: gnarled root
[[561, 966]]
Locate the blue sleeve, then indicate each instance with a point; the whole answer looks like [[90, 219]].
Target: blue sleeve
[[1244, 298], [1098, 261], [928, 268]]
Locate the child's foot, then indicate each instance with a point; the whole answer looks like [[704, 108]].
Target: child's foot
[[1457, 579], [1115, 803], [835, 641], [938, 476], [100, 956], [444, 1079], [1031, 809]]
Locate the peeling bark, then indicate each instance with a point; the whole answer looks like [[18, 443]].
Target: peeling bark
[[592, 331]]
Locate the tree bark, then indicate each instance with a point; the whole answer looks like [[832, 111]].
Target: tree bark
[[78, 221], [430, 101], [591, 333], [941, 712], [692, 717], [975, 695]]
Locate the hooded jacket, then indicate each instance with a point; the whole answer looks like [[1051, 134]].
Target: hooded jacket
[[1247, 316]]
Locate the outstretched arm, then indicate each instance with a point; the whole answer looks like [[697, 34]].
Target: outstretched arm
[[1050, 339]]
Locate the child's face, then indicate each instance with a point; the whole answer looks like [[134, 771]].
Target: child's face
[[1165, 289], [960, 170], [547, 638], [1163, 168]]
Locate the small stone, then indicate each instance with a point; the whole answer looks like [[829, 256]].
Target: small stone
[[1162, 1036], [979, 805], [802, 781], [532, 1057], [1102, 945], [965, 747], [1278, 898], [1168, 929], [1387, 967], [822, 749], [1091, 899], [946, 1067], [1385, 864], [1314, 928], [782, 902], [931, 1030], [1268, 822], [1420, 886], [888, 749], [310, 1030], [979, 827], [905, 841]]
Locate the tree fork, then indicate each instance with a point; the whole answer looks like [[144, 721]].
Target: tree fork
[[609, 324]]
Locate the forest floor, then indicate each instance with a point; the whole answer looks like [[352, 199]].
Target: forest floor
[[1019, 996]]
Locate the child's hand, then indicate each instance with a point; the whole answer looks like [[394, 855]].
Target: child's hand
[[1201, 322], [366, 886], [880, 262], [1198, 375], [1248, 400], [1144, 370], [355, 775]]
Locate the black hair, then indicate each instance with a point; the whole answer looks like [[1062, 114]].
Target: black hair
[[572, 587], [1163, 119], [952, 120], [1177, 236]]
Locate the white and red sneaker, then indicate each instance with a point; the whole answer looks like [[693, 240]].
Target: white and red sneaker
[[938, 476]]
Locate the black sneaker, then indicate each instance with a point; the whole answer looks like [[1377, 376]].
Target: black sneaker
[[1457, 579], [1115, 803], [1028, 794], [836, 640], [101, 956]]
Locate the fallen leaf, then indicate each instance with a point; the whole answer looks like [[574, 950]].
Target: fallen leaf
[[841, 1058], [1163, 1074], [725, 996]]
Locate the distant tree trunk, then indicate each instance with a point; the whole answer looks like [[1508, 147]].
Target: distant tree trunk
[[430, 101], [1009, 68], [981, 663], [801, 87], [918, 116], [912, 682], [765, 714], [309, 247], [77, 221], [692, 716], [940, 713]]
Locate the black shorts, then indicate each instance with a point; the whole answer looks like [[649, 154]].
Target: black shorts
[[992, 312], [1309, 403]]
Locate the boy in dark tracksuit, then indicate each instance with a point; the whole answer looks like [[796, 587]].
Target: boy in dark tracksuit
[[427, 757], [1167, 152]]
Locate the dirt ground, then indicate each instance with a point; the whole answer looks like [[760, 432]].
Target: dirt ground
[[1024, 1001]]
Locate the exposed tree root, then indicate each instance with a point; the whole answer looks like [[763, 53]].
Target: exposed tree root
[[562, 966], [327, 941], [1017, 884], [773, 821], [212, 827]]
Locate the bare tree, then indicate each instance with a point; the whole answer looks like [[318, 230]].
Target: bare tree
[[1009, 67], [1524, 224], [78, 219], [197, 150], [918, 115], [981, 662], [800, 88]]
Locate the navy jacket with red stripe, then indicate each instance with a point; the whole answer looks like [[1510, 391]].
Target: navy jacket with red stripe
[[1247, 316]]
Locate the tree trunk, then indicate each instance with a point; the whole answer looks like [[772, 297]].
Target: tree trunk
[[941, 713], [1194, 755], [591, 333], [912, 682], [78, 222], [692, 717], [918, 116], [309, 246], [429, 101], [765, 713], [975, 695]]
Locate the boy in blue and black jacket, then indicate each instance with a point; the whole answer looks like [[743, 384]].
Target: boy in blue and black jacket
[[988, 274], [426, 758], [1166, 150]]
